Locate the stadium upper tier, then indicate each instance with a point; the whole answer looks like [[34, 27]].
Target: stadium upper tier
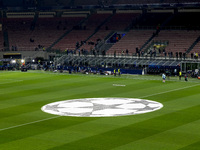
[[111, 2], [92, 30]]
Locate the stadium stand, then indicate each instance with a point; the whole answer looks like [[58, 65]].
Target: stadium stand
[[132, 40], [98, 26], [184, 21], [71, 3], [2, 41], [196, 48], [152, 20], [96, 23], [82, 33], [120, 21], [56, 3], [152, 1], [18, 32], [178, 40], [88, 2], [45, 32]]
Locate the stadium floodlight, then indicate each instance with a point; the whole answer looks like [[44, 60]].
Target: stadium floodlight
[[33, 60], [13, 61], [22, 61]]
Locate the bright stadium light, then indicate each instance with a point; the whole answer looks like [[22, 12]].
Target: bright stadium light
[[13, 61], [22, 61]]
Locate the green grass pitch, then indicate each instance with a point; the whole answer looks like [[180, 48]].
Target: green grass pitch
[[23, 126]]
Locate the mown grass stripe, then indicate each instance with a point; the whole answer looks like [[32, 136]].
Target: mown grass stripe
[[71, 132], [193, 146], [121, 121], [175, 138], [134, 132]]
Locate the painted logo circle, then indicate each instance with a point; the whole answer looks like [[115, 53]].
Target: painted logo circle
[[101, 107]]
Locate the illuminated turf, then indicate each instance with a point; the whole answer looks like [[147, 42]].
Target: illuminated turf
[[25, 126]]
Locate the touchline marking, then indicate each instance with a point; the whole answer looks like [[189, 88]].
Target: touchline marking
[[3, 129], [29, 123], [170, 91], [119, 85]]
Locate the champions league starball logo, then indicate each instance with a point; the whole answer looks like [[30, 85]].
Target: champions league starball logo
[[101, 107]]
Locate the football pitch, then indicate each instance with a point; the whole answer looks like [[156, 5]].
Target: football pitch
[[24, 126]]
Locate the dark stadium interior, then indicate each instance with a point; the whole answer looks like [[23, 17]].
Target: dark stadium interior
[[132, 30]]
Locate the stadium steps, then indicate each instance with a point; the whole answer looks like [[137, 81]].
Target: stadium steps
[[5, 34], [98, 28], [66, 33], [32, 27], [193, 45], [106, 46], [156, 32], [6, 41]]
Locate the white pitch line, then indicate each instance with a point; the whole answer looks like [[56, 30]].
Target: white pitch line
[[119, 85], [169, 91], [29, 123], [3, 129]]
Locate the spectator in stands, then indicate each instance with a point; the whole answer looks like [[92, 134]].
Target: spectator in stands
[[94, 53], [159, 50], [194, 55], [157, 28], [137, 50], [169, 54], [191, 55], [122, 52], [165, 54], [13, 49], [79, 52], [150, 53], [176, 55], [115, 53], [163, 50], [126, 52], [142, 53], [117, 38], [184, 55], [180, 55], [103, 53], [77, 44], [154, 53], [197, 55], [31, 40]]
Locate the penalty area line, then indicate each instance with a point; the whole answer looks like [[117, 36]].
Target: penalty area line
[[3, 129]]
